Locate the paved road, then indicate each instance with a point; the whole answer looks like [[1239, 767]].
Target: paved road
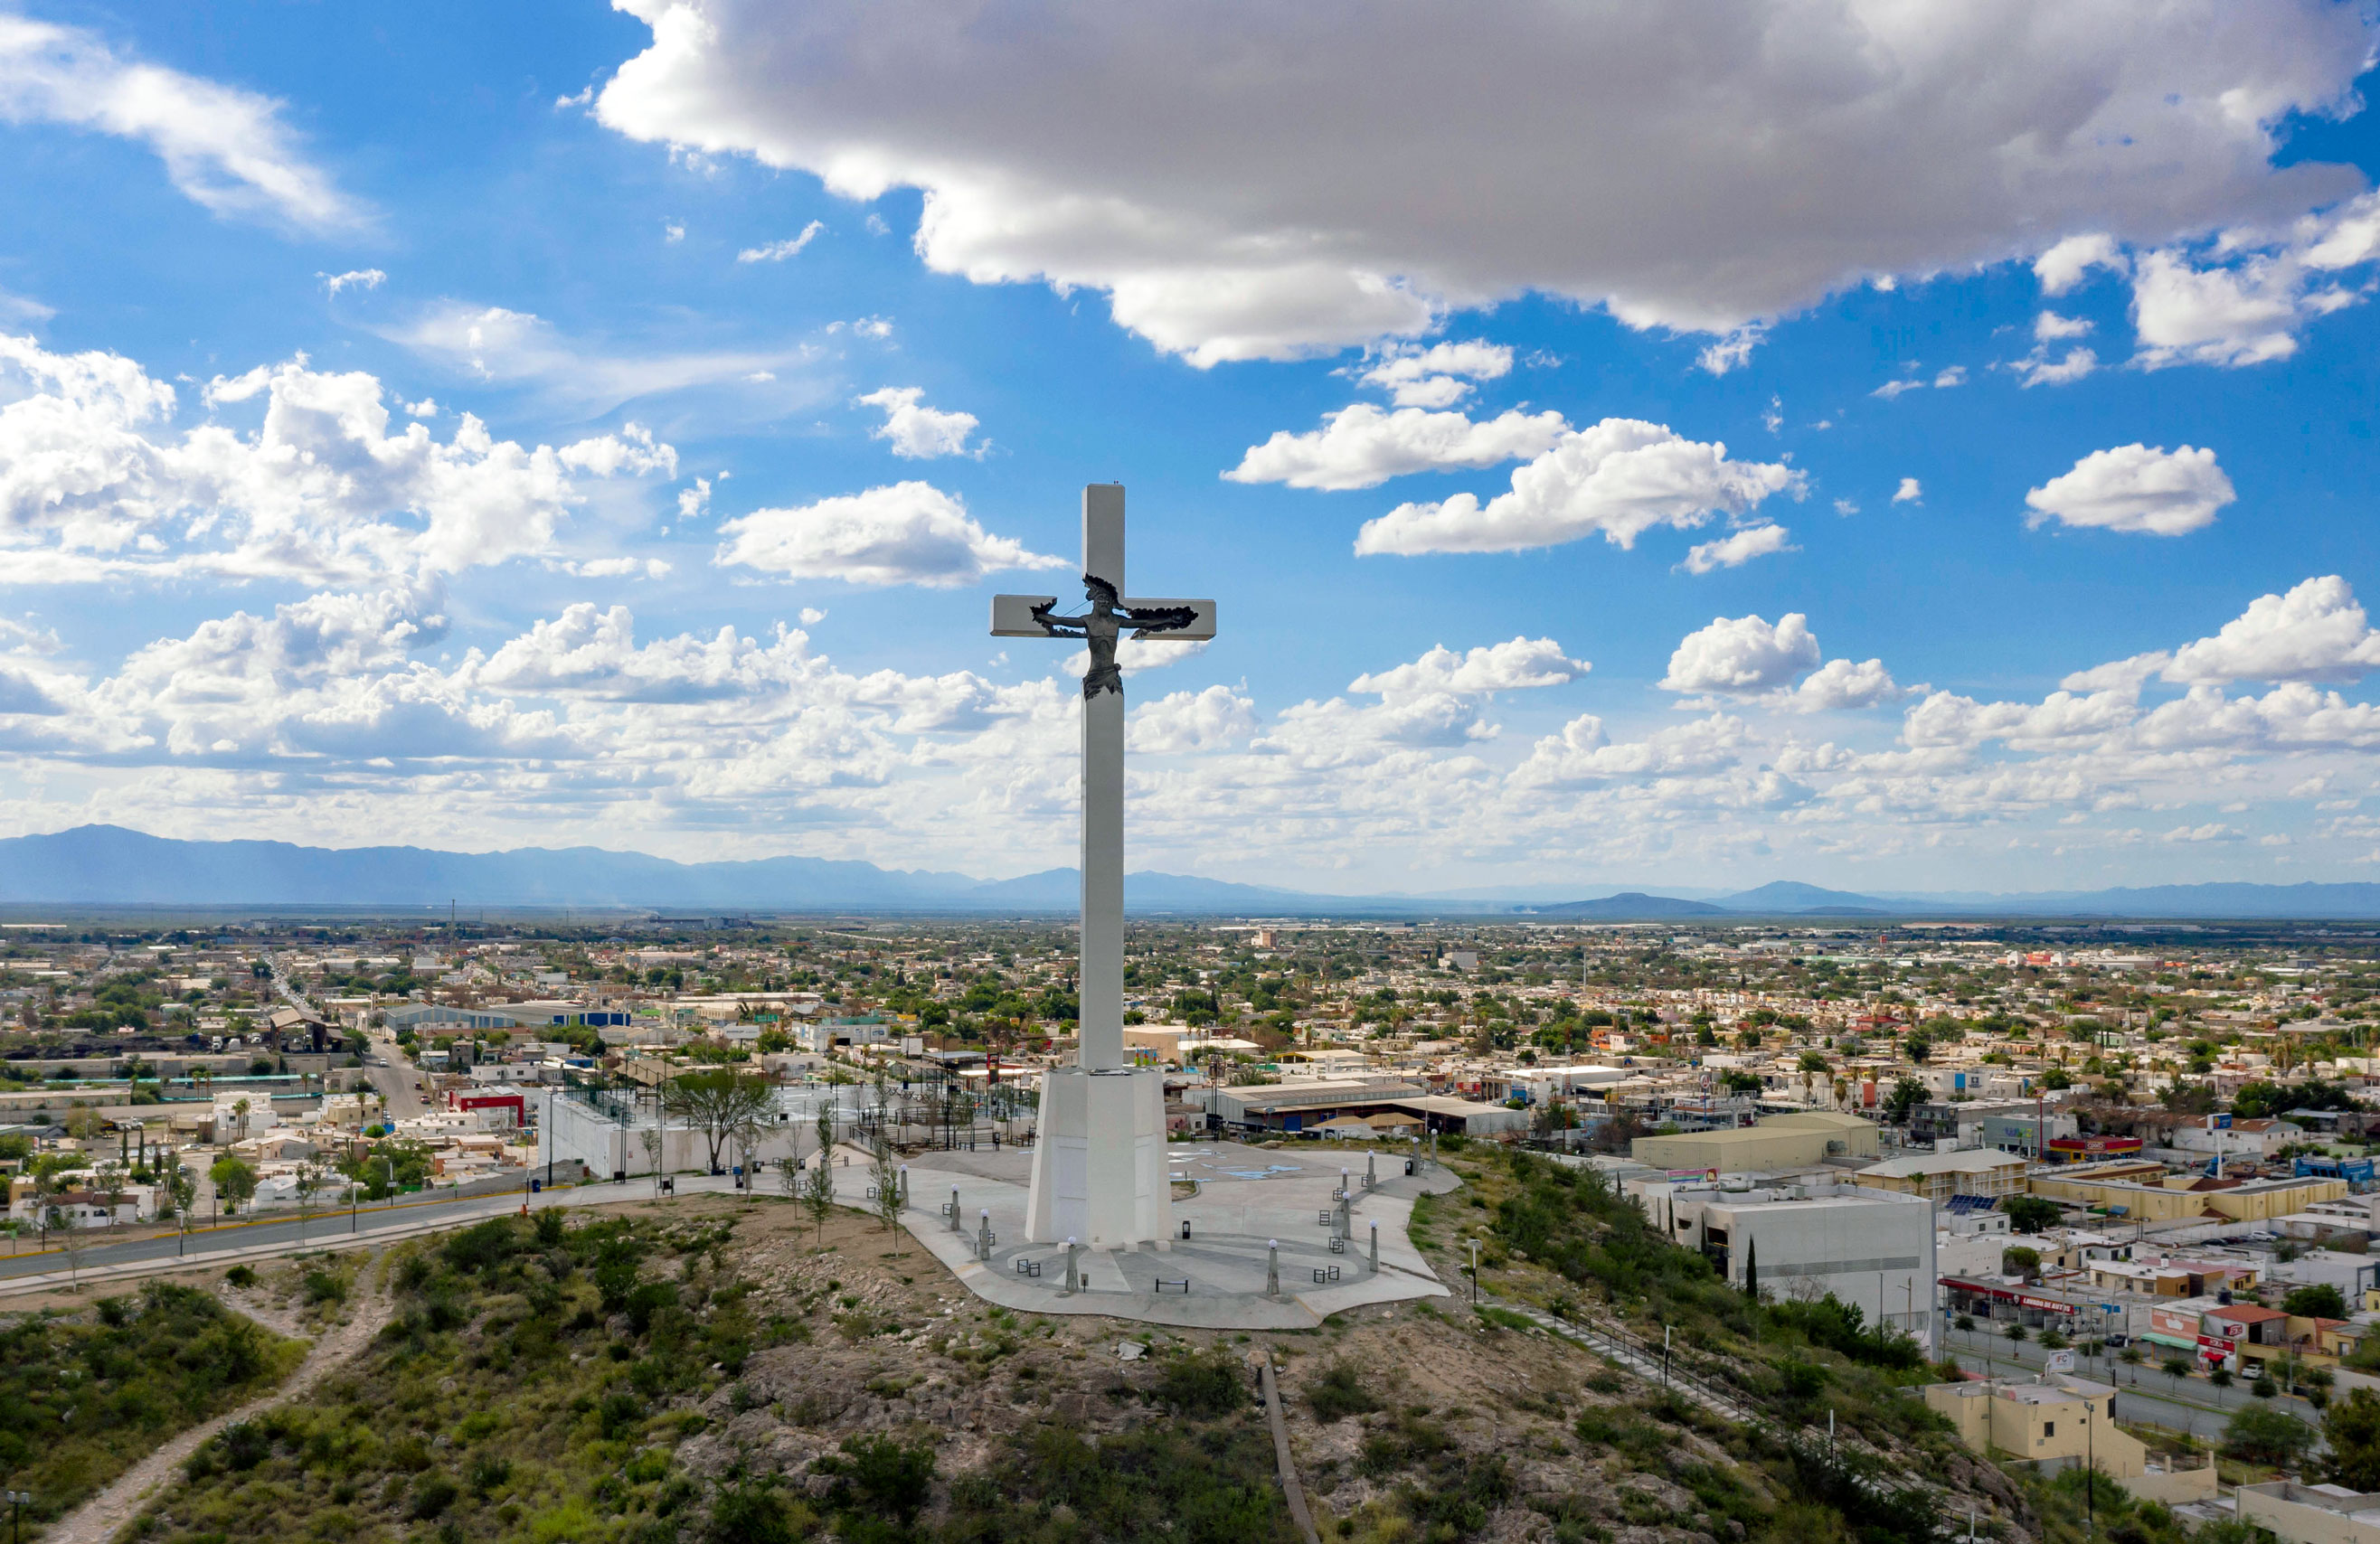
[[2144, 1393], [280, 1235], [393, 1076]]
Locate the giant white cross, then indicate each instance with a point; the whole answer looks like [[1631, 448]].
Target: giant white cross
[[1099, 1169]]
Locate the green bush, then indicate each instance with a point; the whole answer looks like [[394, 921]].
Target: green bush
[[1200, 1384], [1340, 1393], [883, 1476], [82, 1399], [1184, 1483], [432, 1494], [2262, 1434], [749, 1513]]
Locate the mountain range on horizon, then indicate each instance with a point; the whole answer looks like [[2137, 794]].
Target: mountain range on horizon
[[109, 865]]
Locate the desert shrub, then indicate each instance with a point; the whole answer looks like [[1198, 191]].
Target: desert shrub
[[1834, 1325], [1186, 1481], [749, 1513], [883, 1476], [432, 1494], [1340, 1393], [551, 1227], [1200, 1384], [646, 1300], [169, 1357]]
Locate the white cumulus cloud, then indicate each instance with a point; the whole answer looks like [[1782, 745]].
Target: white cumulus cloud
[[916, 432], [908, 533], [2068, 262], [94, 482], [1738, 655], [1438, 376], [1506, 667], [1362, 446], [1607, 163], [1183, 721], [2317, 632], [2135, 489], [1621, 478], [1733, 551]]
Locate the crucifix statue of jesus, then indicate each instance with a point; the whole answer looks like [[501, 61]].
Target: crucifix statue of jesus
[[1098, 1163]]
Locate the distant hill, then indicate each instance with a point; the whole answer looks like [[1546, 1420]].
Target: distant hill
[[1632, 906], [1792, 898], [108, 865]]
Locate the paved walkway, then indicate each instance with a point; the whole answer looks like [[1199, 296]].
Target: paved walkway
[[97, 1520], [1246, 1197]]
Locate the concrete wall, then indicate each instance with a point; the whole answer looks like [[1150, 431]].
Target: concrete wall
[[2173, 1488], [1745, 1150], [2278, 1507], [581, 1132]]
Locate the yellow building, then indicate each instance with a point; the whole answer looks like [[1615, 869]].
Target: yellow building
[[2178, 1196], [2062, 1420], [1859, 1139], [1778, 1143], [1939, 1175]]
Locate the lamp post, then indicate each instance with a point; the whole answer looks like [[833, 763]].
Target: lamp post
[[18, 1501], [2091, 1468], [1474, 1272]]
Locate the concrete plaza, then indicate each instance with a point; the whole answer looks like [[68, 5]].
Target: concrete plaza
[[1216, 1278]]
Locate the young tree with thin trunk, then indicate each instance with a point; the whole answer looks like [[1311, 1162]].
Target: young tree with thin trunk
[[789, 1168], [70, 1235], [652, 1138], [817, 1188], [182, 1186], [312, 1174], [887, 1177]]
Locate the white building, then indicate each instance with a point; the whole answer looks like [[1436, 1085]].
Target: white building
[[1873, 1248]]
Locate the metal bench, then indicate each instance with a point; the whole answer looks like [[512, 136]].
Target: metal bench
[[1338, 1245], [1028, 1267], [1326, 1272], [1325, 1217], [1180, 1285]]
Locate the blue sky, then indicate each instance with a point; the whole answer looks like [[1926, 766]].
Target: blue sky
[[1809, 442]]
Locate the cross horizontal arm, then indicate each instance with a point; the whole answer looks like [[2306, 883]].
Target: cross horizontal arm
[[1012, 616], [1199, 627]]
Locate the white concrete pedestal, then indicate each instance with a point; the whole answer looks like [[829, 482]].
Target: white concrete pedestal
[[1099, 1160]]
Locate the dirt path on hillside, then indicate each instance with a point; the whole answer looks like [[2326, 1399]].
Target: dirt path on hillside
[[97, 1520]]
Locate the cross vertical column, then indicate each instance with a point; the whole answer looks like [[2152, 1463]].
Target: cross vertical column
[[1100, 990]]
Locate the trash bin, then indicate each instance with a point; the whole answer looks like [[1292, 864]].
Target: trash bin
[[1185, 1227], [535, 1186], [1409, 1162]]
